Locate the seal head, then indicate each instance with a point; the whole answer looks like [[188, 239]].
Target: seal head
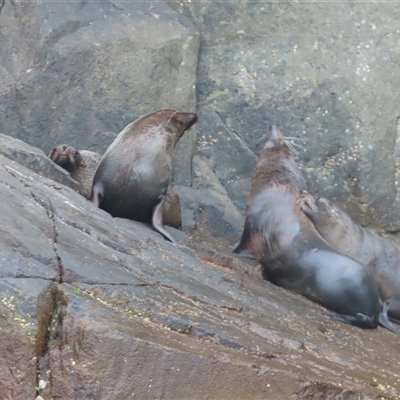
[[81, 164]]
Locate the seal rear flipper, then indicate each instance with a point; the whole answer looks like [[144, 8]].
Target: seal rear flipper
[[359, 319], [384, 320], [157, 220], [242, 252]]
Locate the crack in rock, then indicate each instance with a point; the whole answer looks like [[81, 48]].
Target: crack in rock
[[51, 309], [232, 132], [117, 284], [50, 213], [199, 301]]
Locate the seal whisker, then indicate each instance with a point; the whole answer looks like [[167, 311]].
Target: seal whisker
[[292, 148], [292, 138], [295, 144]]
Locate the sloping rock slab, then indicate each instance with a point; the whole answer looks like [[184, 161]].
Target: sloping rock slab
[[105, 308]]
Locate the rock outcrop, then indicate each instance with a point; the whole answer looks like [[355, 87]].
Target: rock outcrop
[[105, 308]]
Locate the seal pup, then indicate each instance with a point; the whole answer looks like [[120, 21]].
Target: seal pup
[[82, 165], [292, 253], [132, 178], [381, 257]]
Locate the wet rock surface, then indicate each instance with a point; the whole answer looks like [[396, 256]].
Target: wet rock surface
[[102, 307]]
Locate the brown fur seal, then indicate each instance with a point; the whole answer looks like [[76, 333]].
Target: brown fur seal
[[82, 165], [381, 257], [132, 178], [292, 253]]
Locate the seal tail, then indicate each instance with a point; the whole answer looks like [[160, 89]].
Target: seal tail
[[384, 320]]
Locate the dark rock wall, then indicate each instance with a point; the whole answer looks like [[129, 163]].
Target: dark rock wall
[[327, 73], [73, 71]]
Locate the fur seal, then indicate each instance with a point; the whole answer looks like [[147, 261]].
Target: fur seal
[[292, 253], [381, 257], [82, 165], [132, 178]]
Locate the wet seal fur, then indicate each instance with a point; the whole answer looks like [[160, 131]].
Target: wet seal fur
[[292, 253], [82, 165], [381, 257], [132, 178]]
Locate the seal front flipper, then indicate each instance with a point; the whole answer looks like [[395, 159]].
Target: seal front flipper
[[384, 319], [243, 248], [97, 194], [157, 220], [307, 203], [359, 319]]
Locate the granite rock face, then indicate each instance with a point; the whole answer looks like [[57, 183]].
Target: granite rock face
[[327, 73], [105, 308]]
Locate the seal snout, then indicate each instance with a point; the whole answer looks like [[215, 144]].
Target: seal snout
[[189, 119], [275, 132]]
